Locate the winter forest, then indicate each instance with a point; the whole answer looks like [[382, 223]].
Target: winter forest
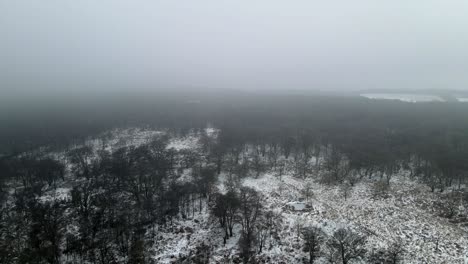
[[239, 179], [233, 132]]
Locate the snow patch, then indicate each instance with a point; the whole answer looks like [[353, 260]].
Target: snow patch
[[57, 194], [297, 206], [189, 142]]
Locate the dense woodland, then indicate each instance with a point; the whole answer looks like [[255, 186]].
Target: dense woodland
[[121, 198]]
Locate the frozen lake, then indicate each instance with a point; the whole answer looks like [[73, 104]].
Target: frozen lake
[[413, 98]]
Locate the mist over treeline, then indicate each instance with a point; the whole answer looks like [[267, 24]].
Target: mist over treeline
[[58, 123]]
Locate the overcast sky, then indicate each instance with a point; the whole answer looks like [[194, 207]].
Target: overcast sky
[[255, 44]]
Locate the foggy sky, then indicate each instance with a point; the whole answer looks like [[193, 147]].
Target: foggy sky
[[81, 45]]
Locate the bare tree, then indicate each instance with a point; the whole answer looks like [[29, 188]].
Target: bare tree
[[257, 163], [337, 165], [273, 154], [380, 189], [346, 246], [313, 237], [346, 190], [263, 229], [391, 255], [307, 191], [81, 160], [299, 223], [395, 252], [225, 208], [280, 169], [250, 211]]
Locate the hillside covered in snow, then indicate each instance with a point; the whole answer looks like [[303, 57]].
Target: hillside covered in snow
[[159, 196]]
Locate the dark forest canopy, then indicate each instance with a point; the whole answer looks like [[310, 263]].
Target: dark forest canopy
[[253, 114]]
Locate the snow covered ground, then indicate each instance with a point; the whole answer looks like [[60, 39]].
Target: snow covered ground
[[406, 216], [123, 138], [188, 142], [112, 140], [426, 237]]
